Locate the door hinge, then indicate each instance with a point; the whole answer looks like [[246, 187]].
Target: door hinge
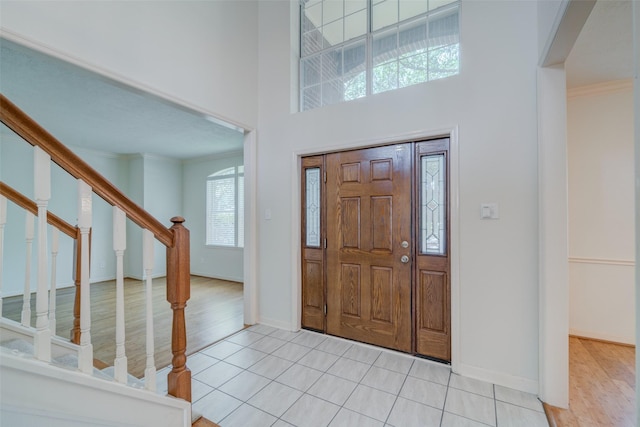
[[325, 309], [325, 243], [325, 176]]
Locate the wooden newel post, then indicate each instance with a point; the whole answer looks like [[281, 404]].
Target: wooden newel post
[[178, 292]]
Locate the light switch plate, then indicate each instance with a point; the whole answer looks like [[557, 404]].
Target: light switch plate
[[489, 211]]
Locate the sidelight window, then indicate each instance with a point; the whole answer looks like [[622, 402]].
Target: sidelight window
[[433, 208]]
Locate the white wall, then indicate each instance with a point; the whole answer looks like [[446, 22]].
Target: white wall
[[601, 211], [494, 108], [199, 53], [208, 261]]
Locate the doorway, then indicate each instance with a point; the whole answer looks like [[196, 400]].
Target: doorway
[[375, 246]]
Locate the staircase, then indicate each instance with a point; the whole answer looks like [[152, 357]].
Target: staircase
[[51, 380]]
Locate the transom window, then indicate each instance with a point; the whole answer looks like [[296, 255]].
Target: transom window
[[225, 207], [354, 48]]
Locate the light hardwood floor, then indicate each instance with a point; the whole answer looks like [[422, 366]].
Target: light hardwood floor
[[601, 386], [214, 311]]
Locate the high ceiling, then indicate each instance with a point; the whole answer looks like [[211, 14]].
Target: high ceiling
[[83, 109]]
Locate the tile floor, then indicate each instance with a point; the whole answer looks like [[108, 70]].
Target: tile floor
[[264, 376]]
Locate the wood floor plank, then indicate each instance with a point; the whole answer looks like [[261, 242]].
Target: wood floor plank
[[601, 386], [214, 311]]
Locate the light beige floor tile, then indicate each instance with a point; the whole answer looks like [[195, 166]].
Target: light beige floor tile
[[310, 411], [471, 385], [245, 357], [384, 379], [334, 345], [291, 351], [244, 385], [347, 418], [319, 360], [334, 389], [394, 362], [453, 420], [275, 398], [309, 339], [199, 362], [371, 402], [281, 334], [244, 338], [349, 369], [218, 374], [430, 371], [470, 405], [267, 344], [362, 353], [222, 350], [424, 392], [216, 405], [407, 413], [263, 329], [271, 367], [512, 415], [519, 398], [299, 377], [247, 416], [199, 390]]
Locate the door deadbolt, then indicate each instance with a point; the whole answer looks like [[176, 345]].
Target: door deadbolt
[[404, 244], [404, 259]]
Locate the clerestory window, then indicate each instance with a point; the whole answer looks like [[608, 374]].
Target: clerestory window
[[225, 207], [354, 48]]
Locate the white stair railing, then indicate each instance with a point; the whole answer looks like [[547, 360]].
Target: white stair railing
[[147, 260], [42, 191], [119, 246], [3, 221], [52, 290], [29, 232], [85, 212]]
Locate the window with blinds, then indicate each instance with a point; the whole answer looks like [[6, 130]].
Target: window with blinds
[[225, 208], [354, 48]]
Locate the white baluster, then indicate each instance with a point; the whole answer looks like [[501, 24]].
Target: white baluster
[[42, 191], [3, 221], [147, 257], [52, 291], [119, 246], [85, 212], [26, 298]]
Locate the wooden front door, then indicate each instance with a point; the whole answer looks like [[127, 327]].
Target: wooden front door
[[368, 250], [376, 246]]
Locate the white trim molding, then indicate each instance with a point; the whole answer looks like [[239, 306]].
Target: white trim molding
[[618, 262]]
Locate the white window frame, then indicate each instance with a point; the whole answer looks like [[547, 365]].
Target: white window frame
[[367, 39], [237, 174]]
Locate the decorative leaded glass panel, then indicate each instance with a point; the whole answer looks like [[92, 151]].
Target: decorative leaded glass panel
[[312, 197], [433, 209]]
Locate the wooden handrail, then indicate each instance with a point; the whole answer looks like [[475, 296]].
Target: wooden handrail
[[176, 238], [16, 120], [29, 205]]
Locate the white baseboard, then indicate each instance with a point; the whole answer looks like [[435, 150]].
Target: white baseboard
[[603, 337], [276, 324], [499, 378]]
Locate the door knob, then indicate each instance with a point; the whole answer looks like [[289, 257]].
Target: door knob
[[404, 259]]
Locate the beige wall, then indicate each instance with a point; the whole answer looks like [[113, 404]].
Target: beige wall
[[601, 211]]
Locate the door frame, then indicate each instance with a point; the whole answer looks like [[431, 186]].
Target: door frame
[[296, 224]]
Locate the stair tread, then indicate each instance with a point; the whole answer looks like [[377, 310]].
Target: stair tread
[[203, 422]]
